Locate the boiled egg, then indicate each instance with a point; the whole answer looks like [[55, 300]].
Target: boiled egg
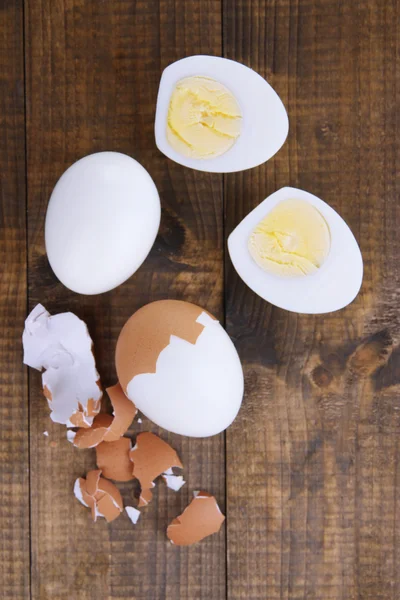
[[217, 115], [102, 219], [297, 253], [180, 368]]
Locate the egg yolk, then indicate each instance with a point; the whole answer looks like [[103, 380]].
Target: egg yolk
[[204, 118], [292, 240]]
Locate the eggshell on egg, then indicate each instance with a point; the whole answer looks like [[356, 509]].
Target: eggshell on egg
[[180, 367], [265, 123], [102, 219]]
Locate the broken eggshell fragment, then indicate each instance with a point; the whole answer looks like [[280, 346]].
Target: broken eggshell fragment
[[200, 519], [172, 481], [106, 427], [133, 513], [151, 457], [113, 459], [180, 367], [100, 495], [62, 347]]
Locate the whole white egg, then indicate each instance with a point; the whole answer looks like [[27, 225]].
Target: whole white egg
[[330, 287], [180, 368], [265, 122], [102, 219]]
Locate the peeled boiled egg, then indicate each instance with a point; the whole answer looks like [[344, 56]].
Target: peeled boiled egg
[[217, 115], [180, 368], [102, 219], [296, 252]]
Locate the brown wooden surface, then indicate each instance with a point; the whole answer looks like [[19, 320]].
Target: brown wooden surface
[[14, 441], [313, 460], [311, 466], [94, 71]]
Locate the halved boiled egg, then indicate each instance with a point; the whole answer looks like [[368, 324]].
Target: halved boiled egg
[[297, 253], [217, 115]]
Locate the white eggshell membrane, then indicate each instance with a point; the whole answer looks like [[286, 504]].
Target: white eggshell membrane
[[101, 222], [197, 389], [335, 284], [61, 345], [133, 513], [265, 122]]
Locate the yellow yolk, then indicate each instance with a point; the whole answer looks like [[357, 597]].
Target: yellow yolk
[[204, 118], [292, 240]]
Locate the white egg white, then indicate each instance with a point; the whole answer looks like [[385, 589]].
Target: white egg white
[[102, 219], [265, 122], [335, 284]]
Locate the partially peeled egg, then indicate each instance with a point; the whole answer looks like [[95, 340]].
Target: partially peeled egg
[[180, 368]]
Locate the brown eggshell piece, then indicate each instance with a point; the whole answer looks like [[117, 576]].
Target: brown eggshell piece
[[124, 413], [106, 427], [151, 457], [89, 489], [89, 500], [92, 481], [89, 438], [101, 496], [109, 500], [148, 332], [113, 459], [78, 420], [47, 393], [200, 519], [107, 508]]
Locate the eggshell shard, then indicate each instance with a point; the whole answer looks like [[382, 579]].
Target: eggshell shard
[[181, 368], [71, 436], [335, 284], [151, 457], [89, 438], [200, 519], [92, 481], [109, 500], [61, 346], [100, 495], [124, 413], [265, 122], [133, 513], [102, 196], [80, 490], [173, 482], [113, 459], [106, 427]]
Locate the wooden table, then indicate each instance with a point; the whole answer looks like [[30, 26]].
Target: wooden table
[[309, 473]]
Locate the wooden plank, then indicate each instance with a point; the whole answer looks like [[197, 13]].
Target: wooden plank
[[313, 459], [14, 449], [93, 73]]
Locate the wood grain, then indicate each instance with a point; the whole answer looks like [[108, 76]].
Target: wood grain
[[93, 74], [313, 459], [14, 448]]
